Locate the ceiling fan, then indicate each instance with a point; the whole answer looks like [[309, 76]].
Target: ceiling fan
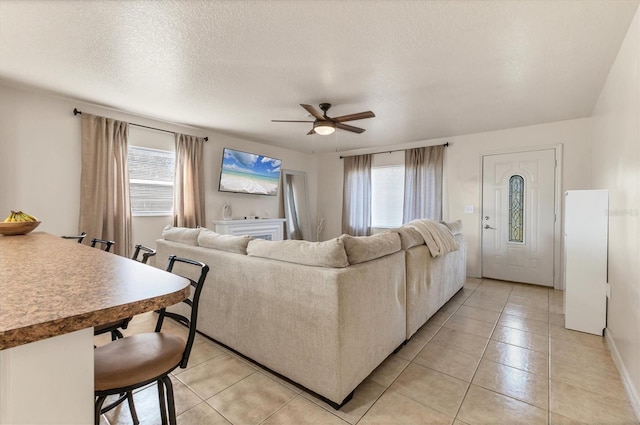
[[325, 125]]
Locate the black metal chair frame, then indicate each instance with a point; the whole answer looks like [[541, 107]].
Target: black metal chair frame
[[114, 329], [107, 244], [165, 387], [146, 254], [79, 237]]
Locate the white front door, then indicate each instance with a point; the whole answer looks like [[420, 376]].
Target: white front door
[[518, 216]]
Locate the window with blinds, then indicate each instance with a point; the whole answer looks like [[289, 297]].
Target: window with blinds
[[387, 195], [151, 181]]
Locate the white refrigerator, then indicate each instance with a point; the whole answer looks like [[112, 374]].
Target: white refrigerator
[[586, 218]]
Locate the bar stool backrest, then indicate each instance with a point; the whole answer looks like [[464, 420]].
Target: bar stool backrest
[[79, 237], [193, 302], [146, 253], [107, 244]]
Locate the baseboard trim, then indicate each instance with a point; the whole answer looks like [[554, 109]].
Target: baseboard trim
[[634, 398]]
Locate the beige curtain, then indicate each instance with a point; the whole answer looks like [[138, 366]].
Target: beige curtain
[[105, 206], [188, 188], [423, 183], [356, 197]]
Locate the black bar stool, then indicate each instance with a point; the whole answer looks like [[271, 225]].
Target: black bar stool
[[129, 363]]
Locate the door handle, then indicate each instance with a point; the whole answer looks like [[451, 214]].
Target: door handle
[[486, 226]]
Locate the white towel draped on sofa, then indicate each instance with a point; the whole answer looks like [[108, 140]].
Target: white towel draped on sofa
[[437, 237]]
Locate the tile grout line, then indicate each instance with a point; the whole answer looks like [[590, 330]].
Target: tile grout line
[[221, 391], [279, 409], [466, 393], [505, 395], [388, 388]]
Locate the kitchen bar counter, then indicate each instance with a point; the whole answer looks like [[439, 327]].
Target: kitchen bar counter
[[53, 291], [50, 286]]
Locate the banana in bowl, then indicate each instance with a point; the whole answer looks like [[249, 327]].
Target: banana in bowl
[[18, 223]]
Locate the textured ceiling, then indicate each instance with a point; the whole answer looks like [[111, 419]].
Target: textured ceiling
[[427, 69]]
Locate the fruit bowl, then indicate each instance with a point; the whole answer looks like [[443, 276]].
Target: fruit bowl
[[18, 228]]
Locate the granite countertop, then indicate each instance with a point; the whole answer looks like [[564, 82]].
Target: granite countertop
[[50, 286]]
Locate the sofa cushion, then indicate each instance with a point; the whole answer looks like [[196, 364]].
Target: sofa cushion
[[323, 254], [230, 243], [409, 237], [181, 234], [365, 248], [454, 226]]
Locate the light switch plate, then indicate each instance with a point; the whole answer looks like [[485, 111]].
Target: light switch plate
[[468, 209]]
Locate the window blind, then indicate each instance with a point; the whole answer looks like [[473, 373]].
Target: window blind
[[151, 180]]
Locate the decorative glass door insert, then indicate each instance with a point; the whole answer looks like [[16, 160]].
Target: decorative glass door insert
[[516, 208]]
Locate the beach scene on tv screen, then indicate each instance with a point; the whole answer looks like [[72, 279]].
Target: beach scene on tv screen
[[249, 173]]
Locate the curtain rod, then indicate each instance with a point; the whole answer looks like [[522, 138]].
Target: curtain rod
[[396, 150], [78, 112]]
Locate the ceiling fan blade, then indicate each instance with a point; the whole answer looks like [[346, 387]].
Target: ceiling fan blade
[[288, 121], [349, 128], [313, 131], [313, 111], [353, 117]]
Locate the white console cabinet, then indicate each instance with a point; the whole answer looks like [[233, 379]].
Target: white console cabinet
[[585, 260], [265, 228]]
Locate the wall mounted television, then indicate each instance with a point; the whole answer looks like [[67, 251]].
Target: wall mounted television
[[243, 172]]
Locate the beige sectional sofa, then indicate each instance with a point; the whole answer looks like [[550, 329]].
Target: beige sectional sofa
[[322, 314]]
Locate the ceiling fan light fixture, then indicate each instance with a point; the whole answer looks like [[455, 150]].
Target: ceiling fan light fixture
[[325, 125], [324, 128]]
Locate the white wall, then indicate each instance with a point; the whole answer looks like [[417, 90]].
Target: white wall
[[615, 166], [40, 164], [462, 171]]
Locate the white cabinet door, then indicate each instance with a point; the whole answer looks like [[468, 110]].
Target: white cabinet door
[[585, 260]]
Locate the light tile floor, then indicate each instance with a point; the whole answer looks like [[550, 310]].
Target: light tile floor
[[497, 353]]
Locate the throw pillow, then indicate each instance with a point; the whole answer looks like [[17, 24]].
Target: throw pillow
[[409, 237], [320, 254], [230, 243], [181, 234], [454, 226], [365, 248]]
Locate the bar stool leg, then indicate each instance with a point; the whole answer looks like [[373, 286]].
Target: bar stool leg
[[162, 400], [132, 408], [170, 400], [98, 407]]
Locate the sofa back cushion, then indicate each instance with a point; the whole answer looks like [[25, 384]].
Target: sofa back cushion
[[454, 226], [409, 237], [230, 243], [366, 248], [321, 254], [181, 234]]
